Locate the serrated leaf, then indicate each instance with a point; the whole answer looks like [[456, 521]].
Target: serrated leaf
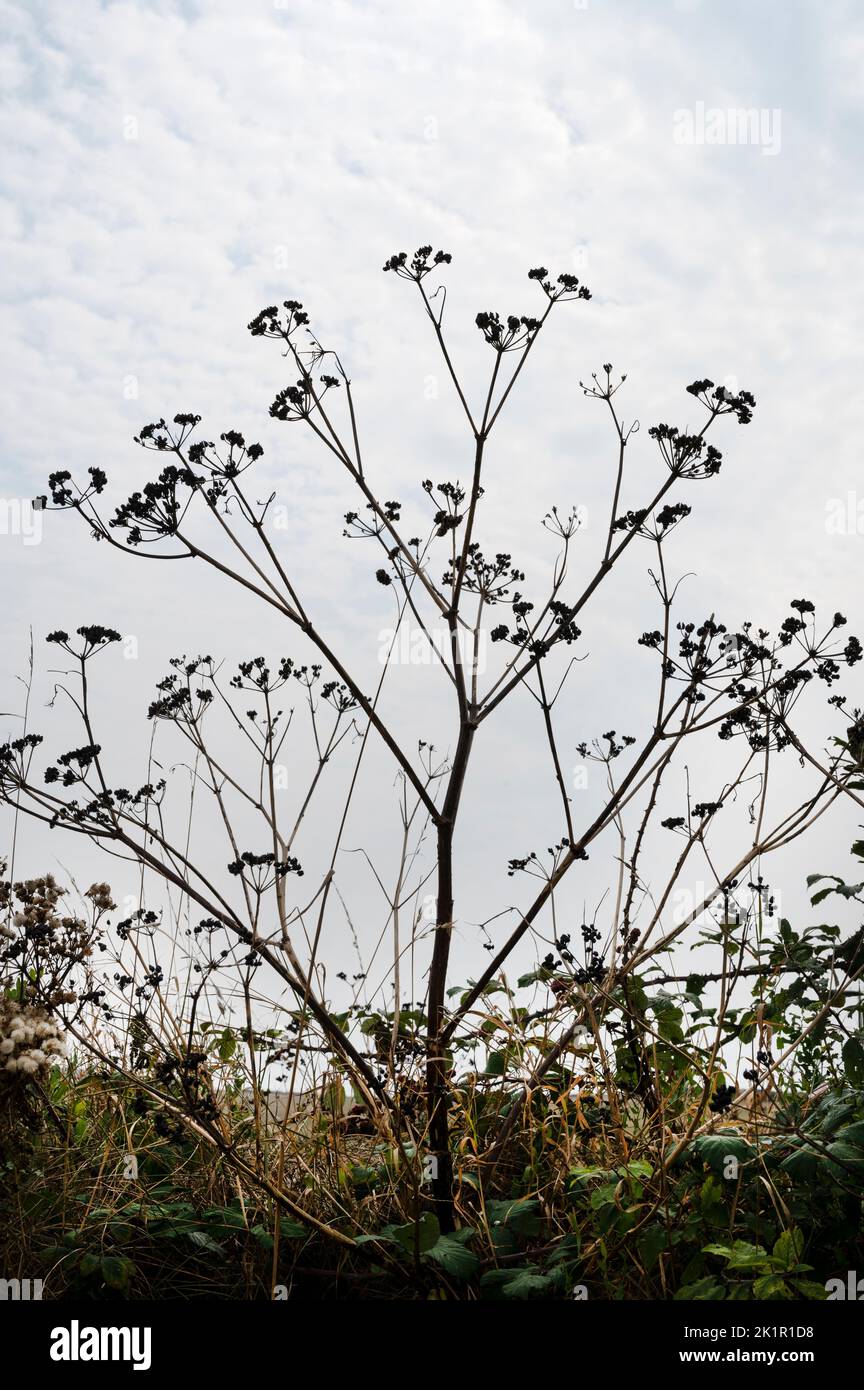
[[426, 1229], [526, 1283], [771, 1286], [740, 1255], [205, 1241], [715, 1149], [637, 1168], [521, 1216], [830, 1114], [853, 1134], [705, 1290], [808, 1288], [848, 1154], [451, 1254], [801, 1164]]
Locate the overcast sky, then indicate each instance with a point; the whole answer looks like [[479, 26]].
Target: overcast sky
[[171, 168]]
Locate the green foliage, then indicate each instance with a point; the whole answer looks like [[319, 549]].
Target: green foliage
[[586, 1196]]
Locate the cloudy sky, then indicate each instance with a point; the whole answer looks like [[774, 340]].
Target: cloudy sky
[[170, 168]]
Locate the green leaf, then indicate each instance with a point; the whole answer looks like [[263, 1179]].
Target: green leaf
[[789, 1247], [848, 1154], [807, 1288], [831, 1113], [747, 1256], [703, 1291], [526, 1283], [529, 1282], [651, 1244], [819, 897], [603, 1196], [362, 1176], [406, 1236], [205, 1241], [853, 1061], [715, 1149], [89, 1263], [853, 1134], [230, 1218], [227, 1045], [117, 1271], [582, 1176], [522, 1216], [771, 1286], [535, 977], [568, 1249], [452, 1255], [711, 1203], [292, 1230], [740, 1255], [263, 1237], [844, 890], [801, 1164], [637, 1168]]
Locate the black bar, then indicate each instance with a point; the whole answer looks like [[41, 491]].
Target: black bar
[[224, 1339]]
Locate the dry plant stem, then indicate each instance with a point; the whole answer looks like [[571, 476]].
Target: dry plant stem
[[216, 1141], [217, 908], [559, 1048], [256, 567], [725, 995]]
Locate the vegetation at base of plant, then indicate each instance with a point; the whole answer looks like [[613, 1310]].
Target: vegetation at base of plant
[[111, 1189]]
